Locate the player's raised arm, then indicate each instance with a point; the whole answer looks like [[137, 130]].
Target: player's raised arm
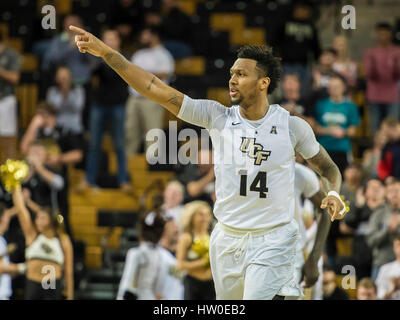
[[142, 81]]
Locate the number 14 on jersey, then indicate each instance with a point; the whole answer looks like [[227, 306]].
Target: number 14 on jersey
[[259, 183]]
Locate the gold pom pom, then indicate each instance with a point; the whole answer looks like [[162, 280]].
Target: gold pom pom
[[201, 245], [12, 173]]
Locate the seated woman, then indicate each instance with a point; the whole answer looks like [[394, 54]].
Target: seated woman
[[48, 254], [193, 251]]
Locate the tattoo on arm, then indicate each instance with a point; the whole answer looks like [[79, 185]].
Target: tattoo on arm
[[174, 100], [151, 82], [327, 169], [115, 61]]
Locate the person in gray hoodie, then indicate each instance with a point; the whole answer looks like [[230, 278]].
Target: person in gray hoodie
[[383, 225]]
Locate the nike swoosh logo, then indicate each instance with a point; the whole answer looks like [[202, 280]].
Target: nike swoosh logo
[[234, 124]]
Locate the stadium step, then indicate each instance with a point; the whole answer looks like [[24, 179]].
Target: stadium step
[[27, 97], [190, 66], [104, 199]]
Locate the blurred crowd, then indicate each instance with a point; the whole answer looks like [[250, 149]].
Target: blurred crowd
[[83, 98]]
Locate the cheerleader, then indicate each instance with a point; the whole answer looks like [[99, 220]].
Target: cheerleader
[[48, 253], [193, 251], [145, 272]]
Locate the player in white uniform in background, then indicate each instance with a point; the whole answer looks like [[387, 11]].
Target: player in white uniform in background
[[253, 246], [308, 258], [145, 270]]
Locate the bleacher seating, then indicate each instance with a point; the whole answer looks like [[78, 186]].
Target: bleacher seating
[[219, 28]]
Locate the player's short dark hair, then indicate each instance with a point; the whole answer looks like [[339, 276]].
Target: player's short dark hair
[[396, 236], [266, 61], [384, 25]]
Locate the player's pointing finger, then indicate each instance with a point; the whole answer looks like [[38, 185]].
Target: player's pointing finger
[[76, 29]]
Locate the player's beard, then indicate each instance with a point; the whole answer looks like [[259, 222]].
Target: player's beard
[[237, 101]]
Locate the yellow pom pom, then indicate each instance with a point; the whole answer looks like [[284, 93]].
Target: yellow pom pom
[[12, 173], [201, 245]]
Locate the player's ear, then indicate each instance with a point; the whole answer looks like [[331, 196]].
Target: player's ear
[[264, 83]]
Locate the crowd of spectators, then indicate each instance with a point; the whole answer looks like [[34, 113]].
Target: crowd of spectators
[[83, 96]]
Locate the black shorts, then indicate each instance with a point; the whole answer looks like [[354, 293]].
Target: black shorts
[[35, 291], [197, 289]]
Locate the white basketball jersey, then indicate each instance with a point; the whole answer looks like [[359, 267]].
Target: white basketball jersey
[[254, 169]]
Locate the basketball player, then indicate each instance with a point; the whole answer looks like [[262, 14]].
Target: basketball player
[[308, 265], [253, 247]]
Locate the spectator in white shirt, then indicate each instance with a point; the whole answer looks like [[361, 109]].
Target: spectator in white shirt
[[68, 100], [10, 64], [388, 280], [143, 114]]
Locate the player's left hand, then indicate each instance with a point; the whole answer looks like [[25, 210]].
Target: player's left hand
[[334, 206], [310, 273]]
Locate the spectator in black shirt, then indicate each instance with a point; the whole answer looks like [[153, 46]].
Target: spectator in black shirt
[[198, 179], [330, 290], [176, 28], [43, 126], [109, 103], [296, 40], [356, 223], [42, 182], [126, 16]]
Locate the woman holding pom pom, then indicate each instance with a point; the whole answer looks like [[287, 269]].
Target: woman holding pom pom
[[48, 254], [193, 251]]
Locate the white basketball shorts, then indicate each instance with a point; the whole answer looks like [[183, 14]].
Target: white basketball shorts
[[254, 265]]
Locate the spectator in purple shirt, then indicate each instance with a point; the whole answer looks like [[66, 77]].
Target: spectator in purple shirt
[[382, 67]]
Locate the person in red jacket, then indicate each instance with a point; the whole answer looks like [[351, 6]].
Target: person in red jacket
[[389, 165]]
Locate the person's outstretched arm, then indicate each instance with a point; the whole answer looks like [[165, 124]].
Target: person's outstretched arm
[[146, 83], [24, 216]]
